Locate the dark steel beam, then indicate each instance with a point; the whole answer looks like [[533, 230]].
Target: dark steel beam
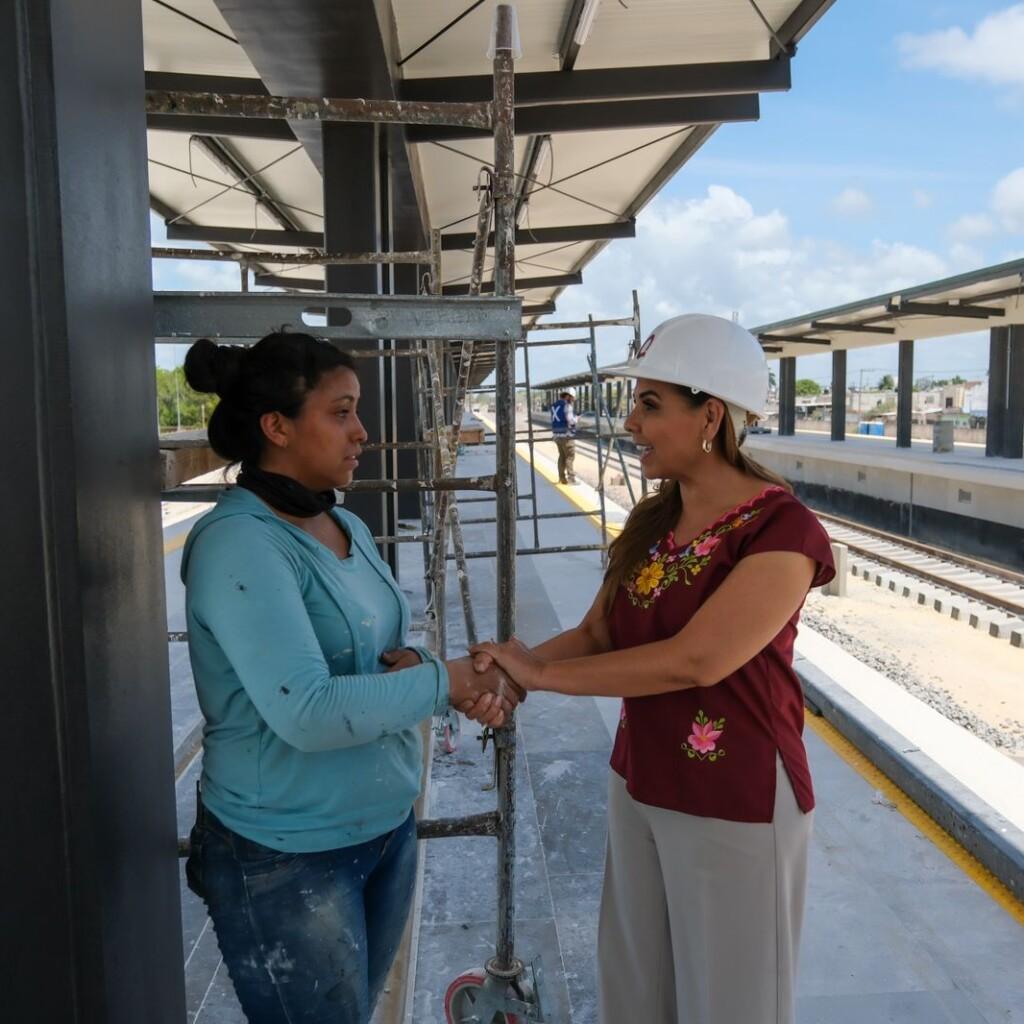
[[171, 81], [539, 309], [283, 281], [794, 340], [943, 309], [522, 285], [589, 117], [227, 127], [273, 238], [823, 325], [549, 236], [587, 86]]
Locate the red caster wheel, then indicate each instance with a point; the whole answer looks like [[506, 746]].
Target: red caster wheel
[[449, 740], [461, 999]]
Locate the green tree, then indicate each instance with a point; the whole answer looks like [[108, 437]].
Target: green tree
[[806, 386], [958, 380], [887, 383], [178, 405]]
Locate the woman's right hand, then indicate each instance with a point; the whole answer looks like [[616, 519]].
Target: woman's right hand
[[488, 696]]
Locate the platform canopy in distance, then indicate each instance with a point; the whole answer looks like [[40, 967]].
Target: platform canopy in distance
[[612, 99], [975, 301]]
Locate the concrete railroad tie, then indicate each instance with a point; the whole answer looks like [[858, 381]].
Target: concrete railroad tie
[[993, 621]]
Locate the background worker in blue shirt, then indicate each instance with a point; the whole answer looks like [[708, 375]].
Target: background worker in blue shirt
[[563, 426]]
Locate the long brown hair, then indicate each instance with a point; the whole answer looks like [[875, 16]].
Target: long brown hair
[[655, 515]]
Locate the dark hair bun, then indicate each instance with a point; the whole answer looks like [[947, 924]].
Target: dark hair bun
[[213, 369]]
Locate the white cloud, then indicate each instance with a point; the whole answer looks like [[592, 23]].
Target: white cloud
[[964, 257], [971, 226], [852, 202], [991, 53], [717, 253], [1008, 200], [921, 198]]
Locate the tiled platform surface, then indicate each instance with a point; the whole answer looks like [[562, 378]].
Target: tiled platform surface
[[894, 931]]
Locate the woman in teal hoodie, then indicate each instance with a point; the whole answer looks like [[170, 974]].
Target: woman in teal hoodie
[[304, 848]]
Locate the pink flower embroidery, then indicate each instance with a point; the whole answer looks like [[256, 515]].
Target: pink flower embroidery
[[706, 546], [703, 737]]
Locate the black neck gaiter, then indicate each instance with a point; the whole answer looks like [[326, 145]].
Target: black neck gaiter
[[285, 494]]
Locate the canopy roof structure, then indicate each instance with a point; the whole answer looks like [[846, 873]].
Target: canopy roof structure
[[611, 100], [979, 300]]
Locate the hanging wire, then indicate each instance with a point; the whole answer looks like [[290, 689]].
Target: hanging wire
[[437, 35], [575, 174], [196, 21], [767, 24]]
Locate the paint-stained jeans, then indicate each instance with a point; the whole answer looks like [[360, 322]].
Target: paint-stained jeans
[[308, 938]]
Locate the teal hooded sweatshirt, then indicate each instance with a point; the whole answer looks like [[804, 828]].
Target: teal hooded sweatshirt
[[309, 744]]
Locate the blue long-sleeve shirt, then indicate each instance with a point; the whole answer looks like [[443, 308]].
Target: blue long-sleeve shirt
[[309, 744]]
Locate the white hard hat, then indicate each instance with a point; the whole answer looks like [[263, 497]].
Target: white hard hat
[[568, 391], [708, 353]]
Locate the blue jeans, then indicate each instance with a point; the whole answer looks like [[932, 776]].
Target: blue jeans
[[308, 938]]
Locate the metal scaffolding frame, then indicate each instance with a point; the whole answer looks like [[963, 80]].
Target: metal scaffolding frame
[[432, 322], [445, 333]]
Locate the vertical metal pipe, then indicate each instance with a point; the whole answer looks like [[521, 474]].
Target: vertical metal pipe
[[596, 389], [505, 459], [530, 442]]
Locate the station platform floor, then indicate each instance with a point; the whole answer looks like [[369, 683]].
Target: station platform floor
[[895, 931], [967, 462]]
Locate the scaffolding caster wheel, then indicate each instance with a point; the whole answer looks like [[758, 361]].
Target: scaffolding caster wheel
[[463, 1003], [449, 741], [479, 997], [446, 729]]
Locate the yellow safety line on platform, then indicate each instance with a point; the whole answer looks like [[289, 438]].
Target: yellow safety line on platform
[[919, 818], [569, 490], [175, 543]]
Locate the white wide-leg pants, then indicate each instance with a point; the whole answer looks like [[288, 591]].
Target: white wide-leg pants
[[700, 917]]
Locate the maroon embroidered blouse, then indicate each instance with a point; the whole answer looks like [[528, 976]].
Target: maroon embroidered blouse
[[710, 751]]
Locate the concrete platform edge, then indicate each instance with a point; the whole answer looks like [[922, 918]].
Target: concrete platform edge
[[994, 841]]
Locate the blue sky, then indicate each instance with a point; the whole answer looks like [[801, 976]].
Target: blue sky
[[890, 162]]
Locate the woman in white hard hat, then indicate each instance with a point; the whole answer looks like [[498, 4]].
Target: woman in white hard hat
[[710, 798]]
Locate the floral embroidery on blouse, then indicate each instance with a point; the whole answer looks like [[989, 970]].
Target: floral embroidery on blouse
[[672, 564], [702, 743]]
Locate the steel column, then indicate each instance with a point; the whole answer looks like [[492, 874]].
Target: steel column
[[352, 223], [787, 396], [89, 859], [1013, 423], [998, 353], [838, 395], [904, 395]]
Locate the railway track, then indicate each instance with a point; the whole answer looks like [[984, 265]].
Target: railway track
[[989, 596]]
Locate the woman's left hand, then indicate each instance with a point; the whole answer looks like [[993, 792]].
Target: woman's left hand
[[516, 659], [399, 659]]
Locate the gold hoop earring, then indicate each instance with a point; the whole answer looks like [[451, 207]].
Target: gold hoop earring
[[706, 446]]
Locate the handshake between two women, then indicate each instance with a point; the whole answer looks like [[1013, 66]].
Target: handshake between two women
[[488, 684]]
